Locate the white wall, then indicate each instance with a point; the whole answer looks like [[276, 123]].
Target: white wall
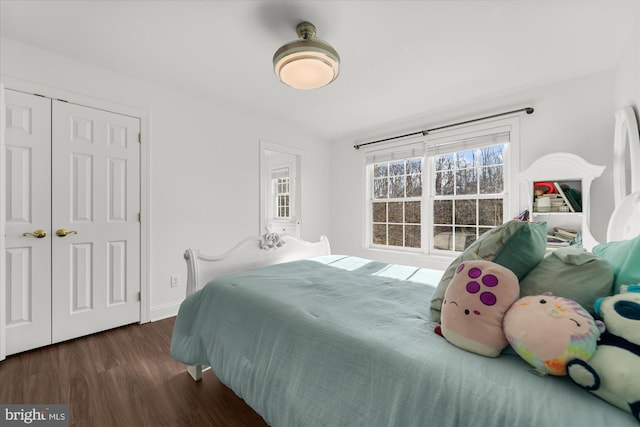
[[627, 79], [576, 115], [204, 163]]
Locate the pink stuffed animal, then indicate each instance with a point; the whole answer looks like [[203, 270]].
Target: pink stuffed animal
[[548, 331], [474, 305]]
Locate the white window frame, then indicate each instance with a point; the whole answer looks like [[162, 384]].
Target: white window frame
[[451, 140], [401, 200]]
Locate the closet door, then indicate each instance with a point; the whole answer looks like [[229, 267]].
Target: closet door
[[95, 225], [28, 214]]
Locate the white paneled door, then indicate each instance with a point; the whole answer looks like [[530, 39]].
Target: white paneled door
[[95, 227], [28, 221], [73, 172]]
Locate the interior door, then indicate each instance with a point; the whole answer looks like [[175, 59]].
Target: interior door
[[28, 210], [95, 220]]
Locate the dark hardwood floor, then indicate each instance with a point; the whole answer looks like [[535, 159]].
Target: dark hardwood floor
[[122, 377]]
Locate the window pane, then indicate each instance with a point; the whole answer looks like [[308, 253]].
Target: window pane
[[464, 236], [443, 211], [380, 188], [412, 212], [380, 170], [490, 212], [492, 155], [414, 185], [395, 212], [443, 238], [396, 235], [492, 180], [414, 166], [465, 212], [412, 236], [396, 168], [466, 181], [380, 212], [466, 159], [380, 234], [397, 187], [443, 162], [444, 183]]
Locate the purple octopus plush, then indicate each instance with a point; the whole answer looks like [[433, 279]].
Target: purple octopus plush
[[474, 305]]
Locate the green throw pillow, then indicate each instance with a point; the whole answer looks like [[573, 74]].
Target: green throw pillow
[[624, 258], [572, 273], [516, 245]]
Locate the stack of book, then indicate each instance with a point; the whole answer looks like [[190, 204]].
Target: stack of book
[[557, 242], [566, 233], [562, 237]]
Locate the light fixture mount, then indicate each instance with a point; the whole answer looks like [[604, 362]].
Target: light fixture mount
[[307, 63]]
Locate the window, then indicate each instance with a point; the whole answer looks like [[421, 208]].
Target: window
[[282, 197], [397, 203], [440, 195], [281, 193], [468, 195]]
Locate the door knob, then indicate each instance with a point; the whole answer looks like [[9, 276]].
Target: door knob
[[38, 233], [61, 232]]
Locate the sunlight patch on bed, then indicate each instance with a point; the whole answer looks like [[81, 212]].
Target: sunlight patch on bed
[[343, 262], [414, 274]]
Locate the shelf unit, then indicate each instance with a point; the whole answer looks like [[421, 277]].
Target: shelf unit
[[564, 168]]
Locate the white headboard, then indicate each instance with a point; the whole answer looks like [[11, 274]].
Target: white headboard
[[625, 219]]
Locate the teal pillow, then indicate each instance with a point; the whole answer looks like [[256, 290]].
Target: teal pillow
[[624, 258], [572, 273], [516, 245]]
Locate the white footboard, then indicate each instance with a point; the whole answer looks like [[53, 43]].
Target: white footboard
[[252, 252]]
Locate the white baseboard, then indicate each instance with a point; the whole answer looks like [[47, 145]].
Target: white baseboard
[[160, 312]]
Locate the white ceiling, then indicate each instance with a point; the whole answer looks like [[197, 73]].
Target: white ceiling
[[399, 58]]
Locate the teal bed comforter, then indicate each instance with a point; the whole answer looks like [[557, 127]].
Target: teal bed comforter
[[343, 341]]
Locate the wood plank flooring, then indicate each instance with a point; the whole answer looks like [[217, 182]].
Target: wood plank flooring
[[122, 377]]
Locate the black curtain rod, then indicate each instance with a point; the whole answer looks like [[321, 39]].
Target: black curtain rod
[[528, 110]]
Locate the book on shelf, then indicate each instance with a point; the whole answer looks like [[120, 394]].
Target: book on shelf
[[557, 242], [574, 196], [567, 233], [564, 197]]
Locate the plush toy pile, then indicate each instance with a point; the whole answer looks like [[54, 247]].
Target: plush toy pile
[[481, 313], [613, 373]]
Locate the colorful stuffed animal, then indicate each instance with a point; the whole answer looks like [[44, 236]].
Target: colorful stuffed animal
[[547, 331], [613, 372], [474, 305]]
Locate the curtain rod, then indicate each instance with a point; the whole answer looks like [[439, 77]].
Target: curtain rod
[[528, 110]]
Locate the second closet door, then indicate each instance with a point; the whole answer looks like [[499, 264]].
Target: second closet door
[[95, 233]]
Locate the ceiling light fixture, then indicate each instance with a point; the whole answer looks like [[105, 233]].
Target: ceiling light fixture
[[307, 63]]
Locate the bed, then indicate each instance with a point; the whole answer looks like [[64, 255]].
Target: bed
[[310, 338], [338, 340]]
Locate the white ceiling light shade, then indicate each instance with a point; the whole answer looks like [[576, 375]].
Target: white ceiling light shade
[[307, 63]]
